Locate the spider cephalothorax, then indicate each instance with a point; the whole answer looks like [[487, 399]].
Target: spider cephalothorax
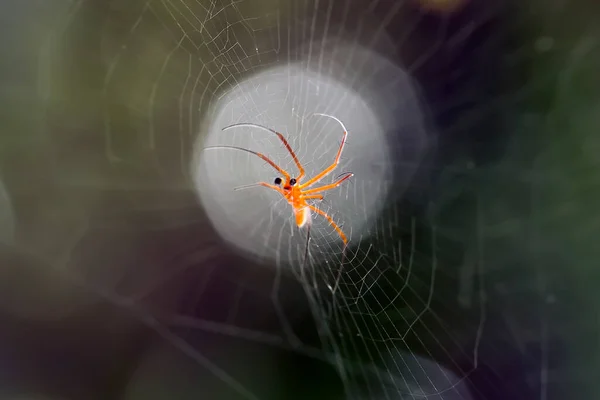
[[293, 190], [287, 185]]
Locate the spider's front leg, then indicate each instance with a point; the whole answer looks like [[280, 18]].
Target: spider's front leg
[[264, 184]]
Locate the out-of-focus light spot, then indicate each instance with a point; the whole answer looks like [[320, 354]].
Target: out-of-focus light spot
[[284, 98], [314, 138]]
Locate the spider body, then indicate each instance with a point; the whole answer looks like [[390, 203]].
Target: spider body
[[294, 196], [297, 193]]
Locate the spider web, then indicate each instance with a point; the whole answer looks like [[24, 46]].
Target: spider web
[[175, 72]]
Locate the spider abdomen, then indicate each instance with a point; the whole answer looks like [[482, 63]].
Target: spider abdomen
[[302, 216]]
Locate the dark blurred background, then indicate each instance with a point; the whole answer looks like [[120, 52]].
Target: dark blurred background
[[114, 284]]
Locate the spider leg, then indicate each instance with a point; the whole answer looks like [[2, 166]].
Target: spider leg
[[265, 184], [313, 197], [328, 170], [265, 158], [280, 136], [331, 222], [330, 186]]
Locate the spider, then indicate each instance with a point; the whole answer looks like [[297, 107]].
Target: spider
[[296, 193]]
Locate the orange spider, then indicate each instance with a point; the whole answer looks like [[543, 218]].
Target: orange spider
[[295, 193]]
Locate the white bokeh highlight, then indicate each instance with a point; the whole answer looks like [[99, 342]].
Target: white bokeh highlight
[[359, 87]]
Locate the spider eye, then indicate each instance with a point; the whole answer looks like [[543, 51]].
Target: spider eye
[[293, 181], [278, 181]]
